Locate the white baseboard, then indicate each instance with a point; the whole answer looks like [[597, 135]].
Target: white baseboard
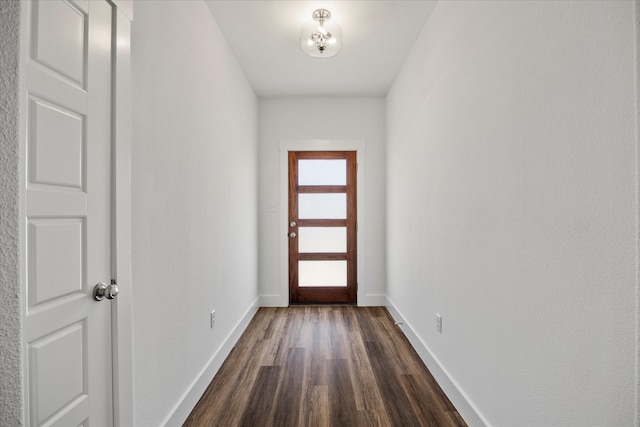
[[189, 399], [465, 407], [274, 301], [372, 301]]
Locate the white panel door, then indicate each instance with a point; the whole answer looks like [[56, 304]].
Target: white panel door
[[68, 213]]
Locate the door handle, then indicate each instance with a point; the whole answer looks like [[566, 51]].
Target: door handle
[[102, 291], [292, 234]]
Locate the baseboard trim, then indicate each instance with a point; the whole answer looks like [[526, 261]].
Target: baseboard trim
[[273, 301], [372, 301], [187, 402], [463, 404]]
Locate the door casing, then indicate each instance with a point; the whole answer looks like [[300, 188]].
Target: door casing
[[357, 145]]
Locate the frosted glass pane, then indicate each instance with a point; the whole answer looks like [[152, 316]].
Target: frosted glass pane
[[322, 239], [322, 172], [322, 273], [322, 205]]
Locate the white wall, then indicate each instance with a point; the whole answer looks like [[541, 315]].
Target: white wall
[[194, 200], [511, 206], [11, 401], [314, 119]]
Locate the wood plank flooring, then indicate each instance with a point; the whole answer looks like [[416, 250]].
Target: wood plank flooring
[[323, 366]]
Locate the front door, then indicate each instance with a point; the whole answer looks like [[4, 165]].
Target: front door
[[322, 227], [68, 212]]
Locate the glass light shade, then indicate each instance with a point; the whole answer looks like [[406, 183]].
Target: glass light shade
[[312, 48]]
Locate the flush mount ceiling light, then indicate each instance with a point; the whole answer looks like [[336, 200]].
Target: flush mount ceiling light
[[321, 39]]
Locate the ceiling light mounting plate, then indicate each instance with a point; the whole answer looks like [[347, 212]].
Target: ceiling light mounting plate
[[321, 14]]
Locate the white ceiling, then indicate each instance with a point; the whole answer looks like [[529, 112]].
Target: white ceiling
[[265, 37]]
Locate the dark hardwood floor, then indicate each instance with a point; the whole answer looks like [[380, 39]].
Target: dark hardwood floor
[[328, 366]]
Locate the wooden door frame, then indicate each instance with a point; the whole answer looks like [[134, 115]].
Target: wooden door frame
[[122, 344], [357, 145], [324, 294]]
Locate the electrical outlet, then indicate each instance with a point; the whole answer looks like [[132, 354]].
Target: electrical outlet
[[213, 317], [438, 323]]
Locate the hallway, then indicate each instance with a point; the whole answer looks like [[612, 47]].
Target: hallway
[[499, 172]]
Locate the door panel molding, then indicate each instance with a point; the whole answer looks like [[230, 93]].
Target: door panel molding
[[357, 145]]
